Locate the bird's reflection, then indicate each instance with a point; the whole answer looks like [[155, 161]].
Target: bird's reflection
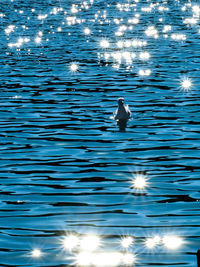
[[122, 123]]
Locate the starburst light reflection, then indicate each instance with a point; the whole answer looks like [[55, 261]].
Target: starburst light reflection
[[38, 40], [107, 259], [139, 181], [126, 242], [70, 242], [36, 253], [87, 31], [83, 259], [104, 259], [104, 44], [144, 56], [151, 242], [172, 242], [186, 84], [73, 67], [128, 259], [90, 243]]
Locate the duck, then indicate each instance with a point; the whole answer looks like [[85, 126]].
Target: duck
[[122, 113]]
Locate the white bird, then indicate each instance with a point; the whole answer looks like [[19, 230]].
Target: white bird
[[123, 112]]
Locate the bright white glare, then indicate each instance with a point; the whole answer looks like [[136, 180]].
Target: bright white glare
[[26, 40], [144, 55], [126, 55], [186, 84], [196, 10], [172, 242], [120, 44], [106, 56], [162, 8], [152, 241], [74, 9], [146, 9], [178, 37], [90, 243], [191, 21], [42, 17], [116, 66], [127, 242], [87, 31], [72, 20], [127, 43], [183, 8], [9, 29], [122, 28], [151, 31], [117, 56], [138, 43], [38, 40], [74, 67], [119, 33], [144, 72], [19, 43], [104, 44], [20, 40], [70, 242], [107, 259], [84, 259], [167, 28], [40, 33], [128, 259], [133, 21], [157, 239], [36, 253], [116, 21], [133, 55], [140, 181], [101, 259]]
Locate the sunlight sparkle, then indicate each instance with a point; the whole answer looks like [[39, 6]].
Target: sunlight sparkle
[[127, 242], [90, 242], [36, 253], [140, 181], [104, 44], [73, 67], [186, 84], [87, 31], [128, 259], [172, 242], [70, 242]]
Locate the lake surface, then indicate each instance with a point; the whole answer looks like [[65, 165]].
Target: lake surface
[[66, 166]]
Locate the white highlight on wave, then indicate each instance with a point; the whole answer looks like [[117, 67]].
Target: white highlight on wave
[[139, 181], [104, 259], [178, 37], [169, 241], [127, 241], [36, 253]]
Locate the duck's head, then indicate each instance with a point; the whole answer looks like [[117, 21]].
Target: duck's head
[[120, 101]]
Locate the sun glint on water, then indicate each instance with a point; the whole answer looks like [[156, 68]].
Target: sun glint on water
[[139, 181]]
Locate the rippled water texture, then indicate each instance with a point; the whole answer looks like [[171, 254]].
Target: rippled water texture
[[66, 166]]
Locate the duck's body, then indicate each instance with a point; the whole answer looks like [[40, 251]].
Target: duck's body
[[123, 112]]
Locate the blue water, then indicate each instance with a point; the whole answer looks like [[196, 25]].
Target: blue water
[[66, 166]]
